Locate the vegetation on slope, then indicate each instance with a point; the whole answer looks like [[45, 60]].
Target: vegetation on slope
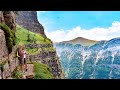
[[23, 34], [17, 73], [42, 71], [33, 51], [51, 49], [24, 37]]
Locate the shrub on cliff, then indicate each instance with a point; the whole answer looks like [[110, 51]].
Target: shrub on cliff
[[42, 71], [9, 35], [17, 73], [23, 36]]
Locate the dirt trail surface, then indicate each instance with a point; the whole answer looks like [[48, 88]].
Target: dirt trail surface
[[30, 71]]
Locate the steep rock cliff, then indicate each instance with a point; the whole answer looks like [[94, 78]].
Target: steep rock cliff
[[28, 20], [9, 18], [1, 17], [3, 48], [51, 59], [47, 57], [8, 61]]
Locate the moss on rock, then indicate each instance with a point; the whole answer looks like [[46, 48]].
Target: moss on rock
[[9, 35]]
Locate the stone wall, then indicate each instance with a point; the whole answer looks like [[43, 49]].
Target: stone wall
[[38, 45], [49, 58]]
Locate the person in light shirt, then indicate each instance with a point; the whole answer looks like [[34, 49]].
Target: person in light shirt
[[24, 59]]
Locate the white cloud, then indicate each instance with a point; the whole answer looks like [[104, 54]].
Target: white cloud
[[93, 34]]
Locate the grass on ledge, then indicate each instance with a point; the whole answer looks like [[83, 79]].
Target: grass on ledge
[[42, 71], [22, 37]]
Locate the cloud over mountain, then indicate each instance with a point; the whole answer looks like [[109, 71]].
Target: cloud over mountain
[[97, 33]]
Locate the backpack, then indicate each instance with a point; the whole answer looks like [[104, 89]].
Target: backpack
[[17, 53], [21, 53]]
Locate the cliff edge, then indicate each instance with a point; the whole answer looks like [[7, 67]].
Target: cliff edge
[[14, 30]]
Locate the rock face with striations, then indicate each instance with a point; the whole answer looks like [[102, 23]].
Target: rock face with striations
[[28, 20], [51, 59], [8, 61], [1, 17], [8, 17], [3, 48]]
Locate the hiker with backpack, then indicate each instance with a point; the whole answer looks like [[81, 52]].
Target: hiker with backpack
[[21, 54], [25, 64]]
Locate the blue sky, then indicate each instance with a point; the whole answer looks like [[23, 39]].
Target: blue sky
[[64, 22]]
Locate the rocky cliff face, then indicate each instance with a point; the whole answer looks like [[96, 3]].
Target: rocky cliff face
[[1, 17], [9, 18], [47, 57], [28, 19], [8, 61], [3, 47]]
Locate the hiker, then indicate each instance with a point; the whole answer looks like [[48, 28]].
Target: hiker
[[20, 56], [25, 64]]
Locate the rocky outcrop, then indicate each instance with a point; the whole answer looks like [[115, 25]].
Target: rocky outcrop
[[8, 61], [47, 57], [9, 19], [28, 20], [3, 48], [1, 17], [51, 59]]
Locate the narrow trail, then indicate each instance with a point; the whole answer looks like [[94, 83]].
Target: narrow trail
[[30, 72]]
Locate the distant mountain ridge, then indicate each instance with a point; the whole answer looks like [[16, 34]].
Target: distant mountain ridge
[[82, 41], [99, 61]]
